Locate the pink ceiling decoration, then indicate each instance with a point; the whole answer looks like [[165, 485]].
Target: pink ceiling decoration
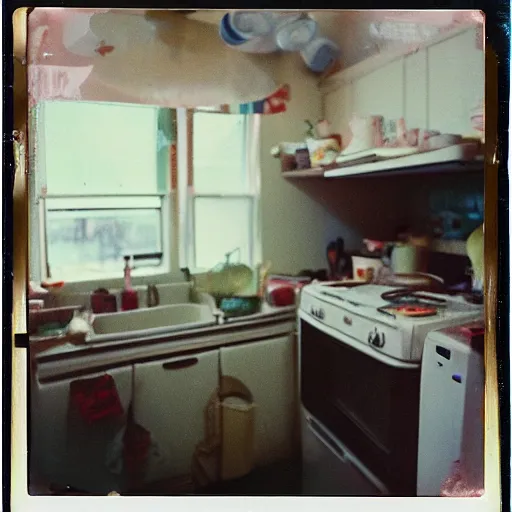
[[56, 82], [50, 28], [118, 55], [55, 72]]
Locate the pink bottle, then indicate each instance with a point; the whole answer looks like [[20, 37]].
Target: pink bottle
[[129, 297]]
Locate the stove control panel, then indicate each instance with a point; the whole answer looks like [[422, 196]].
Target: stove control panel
[[317, 312], [376, 339], [356, 325]]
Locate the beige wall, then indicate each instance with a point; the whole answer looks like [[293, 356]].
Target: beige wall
[[295, 227], [299, 217]]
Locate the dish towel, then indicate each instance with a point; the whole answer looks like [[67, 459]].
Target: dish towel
[[127, 455], [96, 398], [95, 415]]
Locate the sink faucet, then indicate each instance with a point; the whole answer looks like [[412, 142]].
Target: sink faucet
[[152, 296]]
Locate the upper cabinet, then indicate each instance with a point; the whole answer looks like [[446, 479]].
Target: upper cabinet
[[456, 80], [434, 88], [416, 95], [381, 92]]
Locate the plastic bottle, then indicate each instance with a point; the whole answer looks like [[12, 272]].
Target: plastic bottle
[[129, 297]]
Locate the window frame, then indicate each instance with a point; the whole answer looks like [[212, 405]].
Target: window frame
[[188, 195], [39, 264]]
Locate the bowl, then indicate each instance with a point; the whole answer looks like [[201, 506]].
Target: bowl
[[237, 305], [444, 140]]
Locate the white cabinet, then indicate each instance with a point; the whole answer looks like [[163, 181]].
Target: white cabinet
[[434, 88], [456, 78], [267, 368], [381, 92], [170, 398], [415, 91], [67, 451]]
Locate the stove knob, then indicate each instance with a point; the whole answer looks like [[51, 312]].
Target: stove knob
[[373, 337], [376, 339]]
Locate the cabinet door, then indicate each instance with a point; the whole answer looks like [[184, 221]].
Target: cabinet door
[[267, 368], [415, 93], [381, 92], [455, 83], [65, 452], [170, 398]]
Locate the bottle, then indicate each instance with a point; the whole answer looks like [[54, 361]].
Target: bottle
[[129, 297]]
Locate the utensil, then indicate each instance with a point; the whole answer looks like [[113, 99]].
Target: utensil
[[332, 257], [343, 261]]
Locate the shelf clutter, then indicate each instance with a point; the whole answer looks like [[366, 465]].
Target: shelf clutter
[[461, 157]]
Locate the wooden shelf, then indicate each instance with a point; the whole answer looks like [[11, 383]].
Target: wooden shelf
[[461, 158]]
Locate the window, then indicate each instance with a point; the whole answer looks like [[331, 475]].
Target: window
[[101, 188], [222, 200]]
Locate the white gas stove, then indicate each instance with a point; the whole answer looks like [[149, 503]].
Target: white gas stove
[[390, 321]]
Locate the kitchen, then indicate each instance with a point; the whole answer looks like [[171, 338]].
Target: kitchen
[[255, 288]]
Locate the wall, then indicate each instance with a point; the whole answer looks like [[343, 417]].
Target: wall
[[295, 227], [435, 88]]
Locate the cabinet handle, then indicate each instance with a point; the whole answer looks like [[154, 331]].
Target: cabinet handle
[[181, 364]]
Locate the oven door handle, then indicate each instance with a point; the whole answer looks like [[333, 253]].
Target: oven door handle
[[326, 440]]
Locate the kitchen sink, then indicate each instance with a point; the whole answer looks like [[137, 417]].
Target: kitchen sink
[[149, 321], [151, 318]]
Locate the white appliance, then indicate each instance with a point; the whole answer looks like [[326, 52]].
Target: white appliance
[[360, 357], [328, 466], [452, 384]]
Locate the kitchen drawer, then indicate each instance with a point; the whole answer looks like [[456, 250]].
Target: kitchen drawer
[[170, 398]]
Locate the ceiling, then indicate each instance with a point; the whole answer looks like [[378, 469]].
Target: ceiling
[[352, 30]]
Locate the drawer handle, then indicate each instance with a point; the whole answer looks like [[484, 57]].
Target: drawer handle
[[347, 320], [181, 364]]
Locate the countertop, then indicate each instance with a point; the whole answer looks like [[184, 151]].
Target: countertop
[[71, 359]]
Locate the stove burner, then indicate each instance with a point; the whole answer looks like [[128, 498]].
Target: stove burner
[[410, 297], [412, 310]]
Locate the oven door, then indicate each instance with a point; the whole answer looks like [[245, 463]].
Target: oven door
[[369, 401]]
